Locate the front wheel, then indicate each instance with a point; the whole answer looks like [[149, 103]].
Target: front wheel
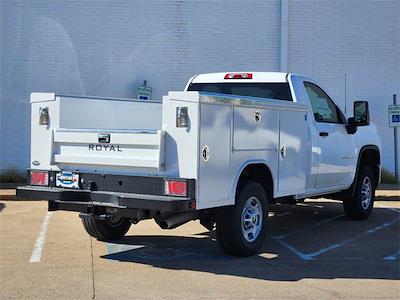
[[111, 229], [360, 206], [241, 228]]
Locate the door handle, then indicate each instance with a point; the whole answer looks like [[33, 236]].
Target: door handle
[[323, 133], [283, 150]]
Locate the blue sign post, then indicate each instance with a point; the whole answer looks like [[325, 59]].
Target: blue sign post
[[394, 122]]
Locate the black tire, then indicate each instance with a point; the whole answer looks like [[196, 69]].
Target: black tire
[[110, 229], [231, 231], [359, 207]]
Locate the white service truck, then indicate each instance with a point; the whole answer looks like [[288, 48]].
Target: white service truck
[[222, 151]]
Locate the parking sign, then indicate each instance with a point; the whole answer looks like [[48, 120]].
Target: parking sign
[[394, 115], [144, 93]]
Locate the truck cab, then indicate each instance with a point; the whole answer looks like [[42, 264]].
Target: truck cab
[[221, 151], [332, 145]]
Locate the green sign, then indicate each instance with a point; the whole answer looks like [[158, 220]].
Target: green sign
[[144, 93]]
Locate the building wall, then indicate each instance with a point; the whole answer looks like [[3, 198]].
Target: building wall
[[108, 47], [328, 39]]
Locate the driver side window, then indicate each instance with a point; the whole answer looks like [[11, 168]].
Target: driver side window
[[323, 107]]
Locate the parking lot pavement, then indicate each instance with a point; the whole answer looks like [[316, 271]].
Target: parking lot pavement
[[312, 252]]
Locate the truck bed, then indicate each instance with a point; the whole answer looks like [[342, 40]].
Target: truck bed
[[141, 139]]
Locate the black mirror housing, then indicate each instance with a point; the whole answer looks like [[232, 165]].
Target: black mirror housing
[[360, 117], [361, 114]]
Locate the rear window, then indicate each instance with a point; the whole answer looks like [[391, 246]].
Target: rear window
[[278, 91]]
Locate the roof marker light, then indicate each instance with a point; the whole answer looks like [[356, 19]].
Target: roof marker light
[[239, 76]]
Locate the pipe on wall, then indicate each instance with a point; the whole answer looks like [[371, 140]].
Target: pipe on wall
[[284, 35]]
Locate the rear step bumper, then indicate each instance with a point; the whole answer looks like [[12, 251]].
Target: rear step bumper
[[89, 201]]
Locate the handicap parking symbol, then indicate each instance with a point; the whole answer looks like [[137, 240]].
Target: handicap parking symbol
[[396, 118]]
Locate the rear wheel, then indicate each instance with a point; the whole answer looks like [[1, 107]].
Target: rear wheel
[[241, 228], [359, 207], [112, 228]]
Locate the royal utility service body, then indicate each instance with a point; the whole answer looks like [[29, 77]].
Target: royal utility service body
[[221, 151]]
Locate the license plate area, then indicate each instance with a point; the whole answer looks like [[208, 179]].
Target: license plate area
[[67, 180]]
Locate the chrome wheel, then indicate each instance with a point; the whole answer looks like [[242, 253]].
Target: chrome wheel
[[252, 218], [366, 192]]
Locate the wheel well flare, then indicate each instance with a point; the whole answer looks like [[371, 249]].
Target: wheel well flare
[[259, 173], [370, 157]]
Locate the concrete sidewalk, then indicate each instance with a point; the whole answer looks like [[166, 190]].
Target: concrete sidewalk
[[382, 194]]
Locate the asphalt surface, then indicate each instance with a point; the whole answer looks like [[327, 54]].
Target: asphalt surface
[[312, 252]]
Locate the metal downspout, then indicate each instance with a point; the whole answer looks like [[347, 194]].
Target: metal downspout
[[284, 35]]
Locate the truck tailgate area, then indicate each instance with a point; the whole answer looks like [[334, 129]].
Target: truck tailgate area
[[128, 148], [89, 134]]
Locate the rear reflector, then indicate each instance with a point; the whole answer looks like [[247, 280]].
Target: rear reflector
[[175, 187], [238, 76], [39, 178]]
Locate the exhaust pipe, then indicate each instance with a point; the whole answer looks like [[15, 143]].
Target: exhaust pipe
[[173, 221]]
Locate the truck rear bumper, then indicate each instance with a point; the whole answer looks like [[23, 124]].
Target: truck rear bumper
[[87, 201]]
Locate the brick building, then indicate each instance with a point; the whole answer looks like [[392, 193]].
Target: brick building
[[108, 47]]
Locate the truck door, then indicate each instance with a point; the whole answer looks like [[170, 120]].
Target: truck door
[[335, 149], [293, 152]]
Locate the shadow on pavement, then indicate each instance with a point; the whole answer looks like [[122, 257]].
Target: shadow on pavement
[[350, 249], [2, 206]]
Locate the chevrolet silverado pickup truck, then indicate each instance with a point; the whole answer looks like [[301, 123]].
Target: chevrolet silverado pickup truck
[[221, 151]]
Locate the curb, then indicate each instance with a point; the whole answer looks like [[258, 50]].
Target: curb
[[9, 195], [387, 198], [11, 185]]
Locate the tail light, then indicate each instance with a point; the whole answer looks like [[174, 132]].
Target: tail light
[[175, 187], [239, 76], [39, 178]]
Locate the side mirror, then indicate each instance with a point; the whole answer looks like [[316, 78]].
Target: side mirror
[[361, 114], [360, 118]]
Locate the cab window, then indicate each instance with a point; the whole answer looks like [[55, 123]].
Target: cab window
[[323, 107], [277, 91]]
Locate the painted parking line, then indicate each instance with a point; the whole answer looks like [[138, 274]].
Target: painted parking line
[[38, 247], [123, 252], [393, 256], [283, 214], [313, 255], [275, 215], [387, 207], [118, 248]]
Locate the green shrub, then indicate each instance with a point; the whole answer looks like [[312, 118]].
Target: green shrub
[[12, 175], [387, 176]]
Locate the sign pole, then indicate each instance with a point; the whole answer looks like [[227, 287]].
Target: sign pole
[[396, 159]]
